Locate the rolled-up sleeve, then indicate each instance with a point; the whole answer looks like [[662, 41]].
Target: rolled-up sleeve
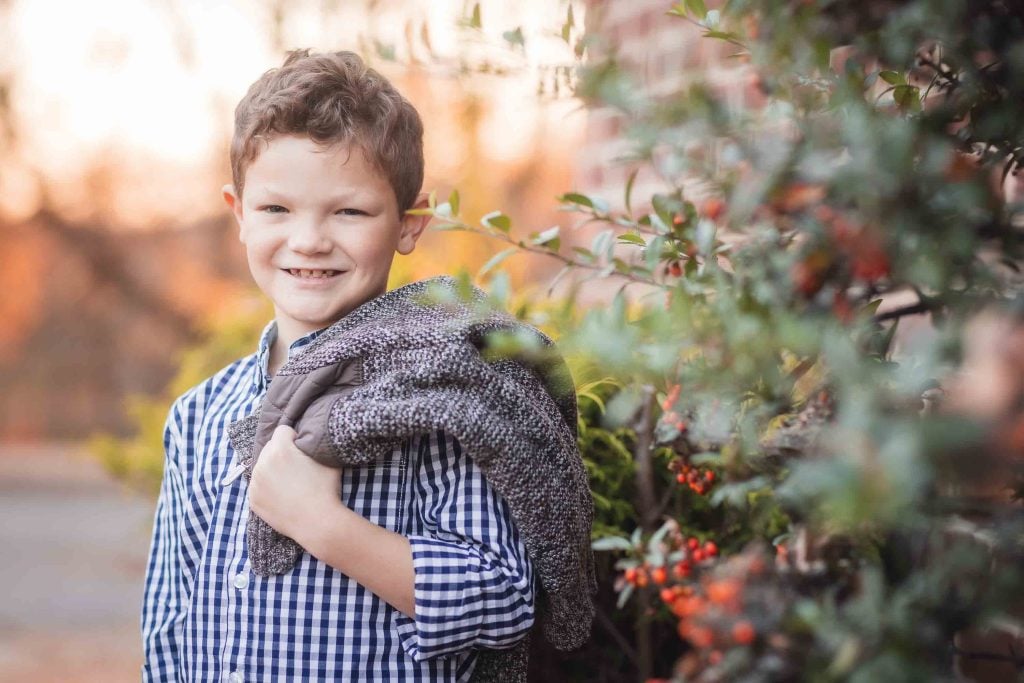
[[473, 580], [165, 597]]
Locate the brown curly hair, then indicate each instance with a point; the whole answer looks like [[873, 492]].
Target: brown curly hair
[[333, 98]]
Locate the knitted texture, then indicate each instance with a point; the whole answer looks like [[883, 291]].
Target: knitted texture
[[428, 365]]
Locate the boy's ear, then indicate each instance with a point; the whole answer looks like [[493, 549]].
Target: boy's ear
[[234, 203], [413, 226]]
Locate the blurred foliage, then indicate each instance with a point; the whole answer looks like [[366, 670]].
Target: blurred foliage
[[139, 459], [804, 502]]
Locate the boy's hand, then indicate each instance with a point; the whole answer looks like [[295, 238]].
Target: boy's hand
[[288, 489]]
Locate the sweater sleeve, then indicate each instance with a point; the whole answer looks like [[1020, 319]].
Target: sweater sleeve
[[165, 597], [473, 579]]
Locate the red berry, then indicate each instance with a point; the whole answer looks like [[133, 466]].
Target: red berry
[[713, 208], [667, 595], [698, 555], [692, 543], [631, 575], [659, 575], [710, 549], [674, 269], [682, 569], [681, 478], [641, 578], [743, 633], [709, 477]]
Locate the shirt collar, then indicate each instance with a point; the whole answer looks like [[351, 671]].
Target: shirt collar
[[261, 375]]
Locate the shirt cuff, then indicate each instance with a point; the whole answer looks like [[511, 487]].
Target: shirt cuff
[[462, 599]]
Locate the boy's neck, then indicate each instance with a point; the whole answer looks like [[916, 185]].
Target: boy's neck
[[286, 336]]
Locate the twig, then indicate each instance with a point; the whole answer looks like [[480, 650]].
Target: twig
[[912, 309], [620, 640]]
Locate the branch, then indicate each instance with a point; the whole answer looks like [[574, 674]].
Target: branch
[[646, 496], [554, 254], [912, 309], [993, 656], [619, 639]]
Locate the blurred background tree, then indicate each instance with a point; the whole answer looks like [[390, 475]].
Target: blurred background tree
[[114, 130]]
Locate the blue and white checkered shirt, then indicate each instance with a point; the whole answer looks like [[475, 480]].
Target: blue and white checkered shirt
[[207, 617]]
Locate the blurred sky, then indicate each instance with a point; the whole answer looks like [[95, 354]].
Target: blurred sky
[[141, 92]]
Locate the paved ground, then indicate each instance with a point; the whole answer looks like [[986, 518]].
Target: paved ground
[[73, 545]]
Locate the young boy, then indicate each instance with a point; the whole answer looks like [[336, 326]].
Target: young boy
[[413, 563]]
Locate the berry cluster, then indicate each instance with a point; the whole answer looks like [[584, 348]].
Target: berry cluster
[[699, 479], [685, 555], [849, 252], [731, 605]]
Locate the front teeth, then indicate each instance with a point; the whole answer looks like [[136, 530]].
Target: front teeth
[[311, 273]]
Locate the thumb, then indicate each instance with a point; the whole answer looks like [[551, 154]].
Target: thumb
[[283, 433]]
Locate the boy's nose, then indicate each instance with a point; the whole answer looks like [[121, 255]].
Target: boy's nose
[[308, 237]]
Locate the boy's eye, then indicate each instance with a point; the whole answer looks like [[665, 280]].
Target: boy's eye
[[351, 212], [273, 208]]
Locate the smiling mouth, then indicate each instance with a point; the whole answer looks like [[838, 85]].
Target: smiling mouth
[[306, 274]]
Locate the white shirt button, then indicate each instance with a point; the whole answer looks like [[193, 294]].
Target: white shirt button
[[235, 677], [241, 581]]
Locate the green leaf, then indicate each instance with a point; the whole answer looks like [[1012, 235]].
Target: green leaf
[[654, 220], [632, 238], [576, 198], [585, 254], [653, 252], [432, 199], [711, 20], [474, 21], [496, 219], [611, 543], [705, 236], [514, 37], [558, 277], [495, 260], [697, 7], [629, 190], [666, 207], [548, 238], [624, 595], [721, 35], [602, 244], [453, 200], [892, 77], [906, 96]]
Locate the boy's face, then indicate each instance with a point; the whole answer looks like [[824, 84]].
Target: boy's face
[[320, 228]]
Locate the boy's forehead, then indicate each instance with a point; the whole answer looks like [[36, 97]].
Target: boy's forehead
[[291, 167], [288, 163]]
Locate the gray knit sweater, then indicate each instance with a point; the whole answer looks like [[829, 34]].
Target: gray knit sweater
[[404, 363]]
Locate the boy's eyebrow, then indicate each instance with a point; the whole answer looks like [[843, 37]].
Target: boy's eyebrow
[[270, 194]]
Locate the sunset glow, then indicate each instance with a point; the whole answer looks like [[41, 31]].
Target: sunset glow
[[144, 91]]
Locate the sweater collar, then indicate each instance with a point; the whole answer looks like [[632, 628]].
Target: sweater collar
[[261, 373]]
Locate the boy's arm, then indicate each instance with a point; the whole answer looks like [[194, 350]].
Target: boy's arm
[[466, 582], [474, 583], [166, 595]]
